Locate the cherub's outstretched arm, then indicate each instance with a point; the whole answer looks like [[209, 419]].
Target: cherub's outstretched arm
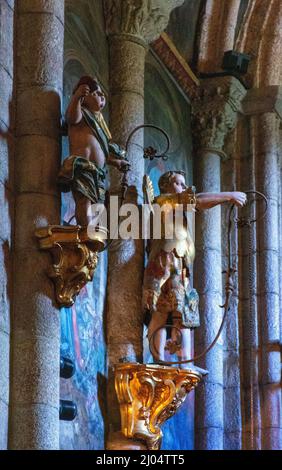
[[74, 113], [209, 200]]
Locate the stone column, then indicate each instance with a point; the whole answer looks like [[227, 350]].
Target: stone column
[[230, 181], [280, 234], [131, 25], [6, 202], [215, 114], [34, 417], [264, 105]]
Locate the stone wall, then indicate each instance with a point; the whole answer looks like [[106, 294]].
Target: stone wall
[[6, 201], [252, 357], [167, 108]]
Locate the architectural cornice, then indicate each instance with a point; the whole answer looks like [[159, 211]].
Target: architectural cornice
[[176, 65]]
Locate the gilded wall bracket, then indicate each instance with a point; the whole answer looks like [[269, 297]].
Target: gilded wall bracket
[[148, 395], [75, 258]]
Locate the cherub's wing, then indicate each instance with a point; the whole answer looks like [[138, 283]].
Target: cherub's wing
[[148, 191]]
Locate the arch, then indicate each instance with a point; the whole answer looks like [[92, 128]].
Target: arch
[[269, 58], [217, 33], [260, 37]]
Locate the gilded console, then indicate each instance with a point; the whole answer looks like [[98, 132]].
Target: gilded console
[[148, 395], [75, 258]]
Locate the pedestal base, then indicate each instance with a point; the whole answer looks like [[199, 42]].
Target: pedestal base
[[148, 395], [75, 258]]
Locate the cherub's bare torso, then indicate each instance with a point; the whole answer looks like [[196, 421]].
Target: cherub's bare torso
[[83, 143], [86, 182]]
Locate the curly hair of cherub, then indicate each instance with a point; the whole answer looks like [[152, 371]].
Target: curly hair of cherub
[[166, 177], [92, 82]]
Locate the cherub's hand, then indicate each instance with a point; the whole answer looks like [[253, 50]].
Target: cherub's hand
[[238, 198], [121, 165], [149, 300], [82, 91]]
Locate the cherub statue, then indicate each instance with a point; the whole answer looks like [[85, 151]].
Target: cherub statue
[[91, 149], [167, 290]]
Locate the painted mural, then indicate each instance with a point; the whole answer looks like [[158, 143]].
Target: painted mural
[[184, 37], [166, 107]]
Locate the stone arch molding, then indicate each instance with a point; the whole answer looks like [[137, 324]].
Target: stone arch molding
[[217, 32], [260, 36]]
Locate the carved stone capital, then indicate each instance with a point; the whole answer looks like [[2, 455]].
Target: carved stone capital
[[215, 112], [263, 100], [148, 395], [143, 19], [75, 258]]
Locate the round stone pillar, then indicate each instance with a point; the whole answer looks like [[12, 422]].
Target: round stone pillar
[[34, 412], [124, 321], [7, 136], [265, 128], [131, 25], [264, 106], [215, 114]]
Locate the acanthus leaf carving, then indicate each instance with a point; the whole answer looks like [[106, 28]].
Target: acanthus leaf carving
[[215, 111], [144, 19]]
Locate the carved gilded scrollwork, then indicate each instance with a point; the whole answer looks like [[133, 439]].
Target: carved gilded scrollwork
[[149, 395], [75, 258]]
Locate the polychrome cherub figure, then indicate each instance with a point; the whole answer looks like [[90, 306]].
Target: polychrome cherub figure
[[167, 290], [91, 149]]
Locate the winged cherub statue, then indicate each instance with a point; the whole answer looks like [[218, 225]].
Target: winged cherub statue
[[168, 296]]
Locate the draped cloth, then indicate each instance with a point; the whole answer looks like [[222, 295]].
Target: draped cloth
[[81, 175]]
